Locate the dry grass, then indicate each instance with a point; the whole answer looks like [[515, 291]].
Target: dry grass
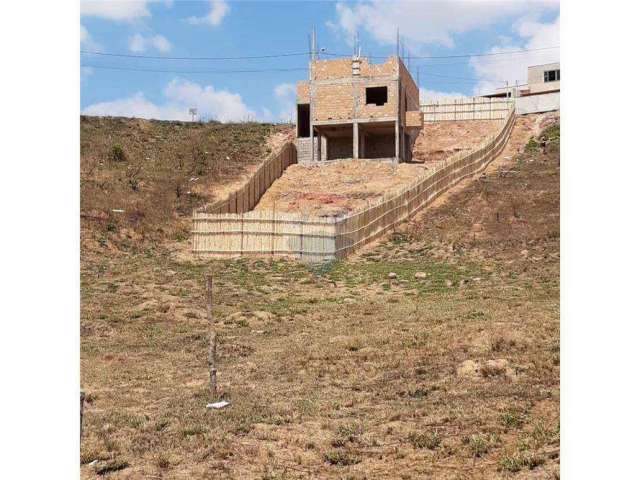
[[157, 172], [348, 374]]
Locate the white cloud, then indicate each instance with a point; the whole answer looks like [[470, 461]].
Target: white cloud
[[494, 71], [421, 23], [139, 43], [219, 8], [285, 95], [427, 95], [86, 40], [180, 95], [85, 73], [117, 10]]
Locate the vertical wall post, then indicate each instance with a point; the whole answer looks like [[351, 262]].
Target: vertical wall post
[[323, 147], [213, 339], [313, 149], [356, 141], [397, 141], [81, 411]]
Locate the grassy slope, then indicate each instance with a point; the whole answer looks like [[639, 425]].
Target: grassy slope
[[347, 374], [166, 170]]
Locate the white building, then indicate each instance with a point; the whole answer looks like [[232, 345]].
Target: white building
[[541, 93]]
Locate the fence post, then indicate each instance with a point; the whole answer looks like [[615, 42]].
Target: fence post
[[213, 339], [81, 411]]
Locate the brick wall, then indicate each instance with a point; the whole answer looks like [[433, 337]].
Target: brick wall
[[327, 69], [379, 146], [302, 92], [303, 147], [332, 102], [336, 102], [389, 109], [341, 147]]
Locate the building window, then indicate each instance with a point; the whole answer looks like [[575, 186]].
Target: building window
[[552, 75], [376, 95], [304, 120]]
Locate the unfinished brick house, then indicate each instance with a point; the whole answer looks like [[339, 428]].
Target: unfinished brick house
[[351, 108]]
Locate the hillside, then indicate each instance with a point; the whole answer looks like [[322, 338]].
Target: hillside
[[342, 187], [141, 179], [449, 368]]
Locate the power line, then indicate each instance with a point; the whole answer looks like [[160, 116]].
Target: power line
[[294, 54], [465, 55], [266, 70], [449, 76], [153, 70], [158, 57]]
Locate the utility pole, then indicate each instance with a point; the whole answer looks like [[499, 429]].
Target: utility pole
[[314, 45]]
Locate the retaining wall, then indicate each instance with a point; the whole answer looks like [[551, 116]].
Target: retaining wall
[[247, 196], [316, 238], [538, 103], [466, 108]]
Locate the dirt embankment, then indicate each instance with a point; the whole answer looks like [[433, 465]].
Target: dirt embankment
[[337, 188], [439, 140], [141, 179], [345, 186]]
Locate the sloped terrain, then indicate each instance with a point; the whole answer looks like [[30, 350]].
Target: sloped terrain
[[432, 354], [341, 187], [141, 179], [439, 140]]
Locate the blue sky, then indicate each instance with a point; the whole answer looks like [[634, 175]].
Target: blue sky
[[110, 85]]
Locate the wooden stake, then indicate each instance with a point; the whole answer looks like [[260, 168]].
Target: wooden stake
[[209, 297], [213, 372], [81, 411], [213, 340]]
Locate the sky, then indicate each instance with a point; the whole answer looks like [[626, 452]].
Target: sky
[[126, 82]]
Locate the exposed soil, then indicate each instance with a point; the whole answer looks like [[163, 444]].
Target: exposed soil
[[450, 369], [439, 140], [345, 186], [337, 188]]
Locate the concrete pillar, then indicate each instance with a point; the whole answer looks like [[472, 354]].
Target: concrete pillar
[[397, 159], [323, 148], [313, 149], [356, 141], [363, 147]]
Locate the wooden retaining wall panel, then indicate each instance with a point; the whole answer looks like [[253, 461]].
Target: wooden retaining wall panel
[[245, 198], [251, 233], [284, 236], [316, 239]]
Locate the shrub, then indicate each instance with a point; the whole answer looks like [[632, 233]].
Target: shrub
[[430, 440], [117, 153], [111, 466], [511, 419], [340, 457], [532, 146], [515, 463], [481, 444]]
